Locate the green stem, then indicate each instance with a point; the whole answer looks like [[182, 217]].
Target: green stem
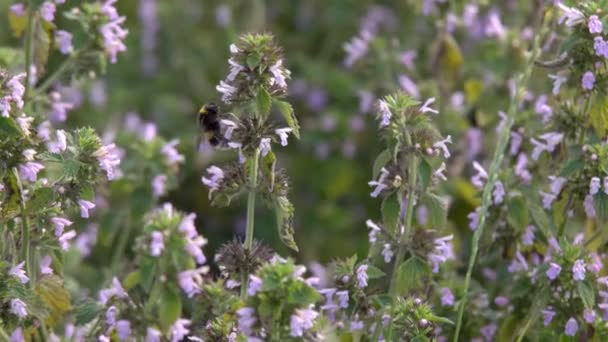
[[253, 182], [25, 231], [409, 214], [524, 330], [3, 334], [48, 82], [28, 47], [120, 248], [503, 140]]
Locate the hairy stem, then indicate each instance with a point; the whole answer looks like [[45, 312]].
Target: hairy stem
[[409, 214], [25, 231], [65, 65], [253, 182], [503, 140], [29, 44]]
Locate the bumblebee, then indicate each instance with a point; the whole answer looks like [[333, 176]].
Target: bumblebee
[[209, 125]]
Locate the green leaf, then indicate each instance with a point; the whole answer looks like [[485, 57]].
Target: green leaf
[[601, 206], [586, 292], [268, 165], [131, 280], [540, 218], [42, 45], [517, 215], [598, 114], [437, 209], [572, 167], [55, 296], [263, 102], [425, 171], [170, 306], [439, 319], [412, 275], [287, 111], [17, 23], [41, 199], [381, 160], [8, 128], [391, 211], [253, 60], [86, 311], [374, 272], [284, 211]]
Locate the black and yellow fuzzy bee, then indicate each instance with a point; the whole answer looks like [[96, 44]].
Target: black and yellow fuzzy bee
[[209, 125]]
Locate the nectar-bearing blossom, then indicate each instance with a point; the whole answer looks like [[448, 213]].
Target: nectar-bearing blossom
[[18, 308], [447, 298], [571, 327], [578, 270], [157, 243], [595, 24], [214, 183], [441, 146], [283, 135], [60, 223], [18, 272], [112, 32], [47, 11], [480, 177], [108, 159], [553, 271], [385, 113], [301, 321], [265, 146], [379, 184], [441, 253], [588, 80], [594, 185], [426, 106], [362, 276], [29, 171], [64, 41], [179, 329], [85, 206], [171, 153]]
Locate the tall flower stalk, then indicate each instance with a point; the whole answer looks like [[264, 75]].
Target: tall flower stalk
[[503, 140], [255, 86]]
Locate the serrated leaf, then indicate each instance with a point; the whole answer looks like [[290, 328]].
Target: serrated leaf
[[412, 275], [517, 215], [287, 111], [263, 102], [381, 160], [391, 212], [587, 293], [85, 312], [572, 167], [437, 209], [425, 172], [8, 128], [170, 306], [284, 211], [374, 272], [268, 166], [253, 61], [41, 199]]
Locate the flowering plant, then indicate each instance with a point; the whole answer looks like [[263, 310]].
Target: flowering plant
[[487, 192]]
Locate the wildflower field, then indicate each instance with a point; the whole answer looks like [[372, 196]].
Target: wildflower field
[[303, 170]]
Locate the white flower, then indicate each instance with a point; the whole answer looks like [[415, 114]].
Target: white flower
[[18, 308], [226, 90], [594, 185], [387, 253], [279, 75], [558, 80], [214, 182], [18, 272], [426, 106], [379, 184], [283, 134], [439, 172], [480, 177], [441, 252], [229, 128], [235, 69], [265, 147], [441, 145]]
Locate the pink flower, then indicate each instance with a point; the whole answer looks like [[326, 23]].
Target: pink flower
[[47, 11], [18, 9], [595, 25], [64, 40], [85, 206]]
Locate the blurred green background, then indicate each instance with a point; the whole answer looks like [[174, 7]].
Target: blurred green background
[[177, 54]]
